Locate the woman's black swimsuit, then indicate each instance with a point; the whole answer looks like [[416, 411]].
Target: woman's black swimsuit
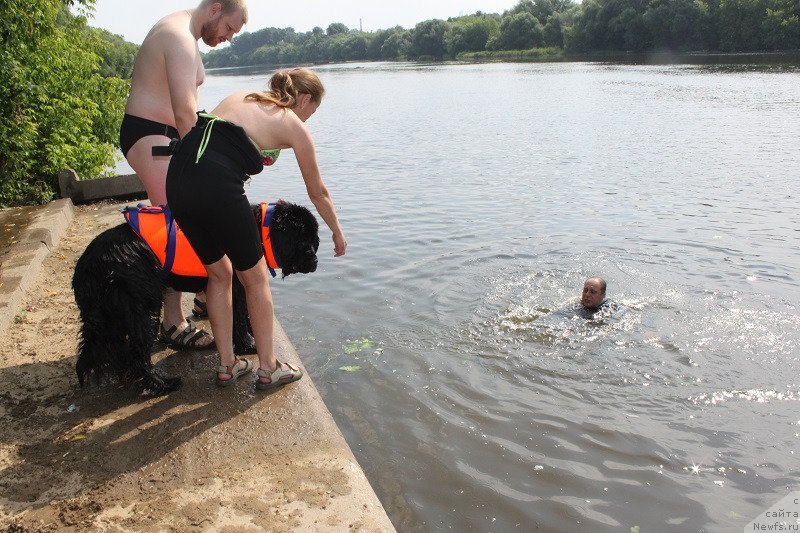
[[134, 128], [205, 191]]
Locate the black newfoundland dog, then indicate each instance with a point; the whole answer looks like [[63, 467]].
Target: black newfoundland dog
[[119, 287]]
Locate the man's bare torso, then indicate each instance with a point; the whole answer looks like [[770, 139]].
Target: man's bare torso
[[149, 96]]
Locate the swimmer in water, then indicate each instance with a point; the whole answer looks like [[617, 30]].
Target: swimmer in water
[[594, 294], [593, 298]]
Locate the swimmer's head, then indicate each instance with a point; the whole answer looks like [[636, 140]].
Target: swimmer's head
[[594, 292]]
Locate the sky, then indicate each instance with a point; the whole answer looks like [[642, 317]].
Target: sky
[[133, 18]]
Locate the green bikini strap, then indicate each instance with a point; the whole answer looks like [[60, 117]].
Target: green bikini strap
[[206, 133]]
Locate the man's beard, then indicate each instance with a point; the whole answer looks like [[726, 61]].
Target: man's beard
[[209, 33]]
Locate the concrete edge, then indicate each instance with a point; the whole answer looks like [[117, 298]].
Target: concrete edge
[[24, 259], [123, 187]]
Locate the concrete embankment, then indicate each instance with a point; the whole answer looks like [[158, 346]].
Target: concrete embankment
[[200, 459], [29, 235]]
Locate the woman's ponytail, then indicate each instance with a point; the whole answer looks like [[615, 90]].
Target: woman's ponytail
[[286, 85]]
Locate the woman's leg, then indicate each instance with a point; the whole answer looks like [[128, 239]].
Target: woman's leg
[[220, 311], [259, 306]]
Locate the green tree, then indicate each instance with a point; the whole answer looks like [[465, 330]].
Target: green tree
[[376, 41], [396, 45], [347, 47], [708, 24], [117, 53], [553, 31], [631, 24], [269, 54], [781, 25], [610, 25], [427, 39], [57, 111], [357, 43], [541, 9], [520, 32], [224, 57], [336, 28], [314, 48], [470, 34], [673, 24], [740, 23], [581, 34], [242, 50]]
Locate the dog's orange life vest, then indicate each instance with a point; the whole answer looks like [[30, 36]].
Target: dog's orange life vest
[[156, 227]]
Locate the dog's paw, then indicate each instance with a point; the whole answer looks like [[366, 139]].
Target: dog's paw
[[245, 346], [158, 384]]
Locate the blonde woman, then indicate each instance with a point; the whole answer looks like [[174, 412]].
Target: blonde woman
[[205, 191]]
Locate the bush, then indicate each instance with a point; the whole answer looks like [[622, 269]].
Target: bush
[[58, 111]]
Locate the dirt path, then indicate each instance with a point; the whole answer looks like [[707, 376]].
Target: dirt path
[[199, 459]]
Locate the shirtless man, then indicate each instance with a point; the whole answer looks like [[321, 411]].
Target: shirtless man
[[162, 105]]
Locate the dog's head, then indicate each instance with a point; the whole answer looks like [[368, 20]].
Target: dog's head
[[294, 232]]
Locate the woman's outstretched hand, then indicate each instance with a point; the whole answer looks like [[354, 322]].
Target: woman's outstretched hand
[[339, 244]]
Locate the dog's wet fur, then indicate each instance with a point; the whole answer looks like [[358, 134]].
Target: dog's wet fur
[[119, 288]]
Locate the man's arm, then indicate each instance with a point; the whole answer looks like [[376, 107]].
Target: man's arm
[[180, 60]]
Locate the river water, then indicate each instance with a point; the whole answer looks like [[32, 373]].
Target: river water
[[476, 199]]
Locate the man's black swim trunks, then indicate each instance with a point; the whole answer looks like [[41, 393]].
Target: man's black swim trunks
[[134, 128]]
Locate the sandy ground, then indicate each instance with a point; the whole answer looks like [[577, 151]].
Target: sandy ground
[[200, 459]]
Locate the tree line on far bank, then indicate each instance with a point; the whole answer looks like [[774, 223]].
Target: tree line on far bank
[[546, 27]]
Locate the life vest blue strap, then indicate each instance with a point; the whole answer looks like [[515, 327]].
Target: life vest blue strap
[[267, 221], [131, 215]]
